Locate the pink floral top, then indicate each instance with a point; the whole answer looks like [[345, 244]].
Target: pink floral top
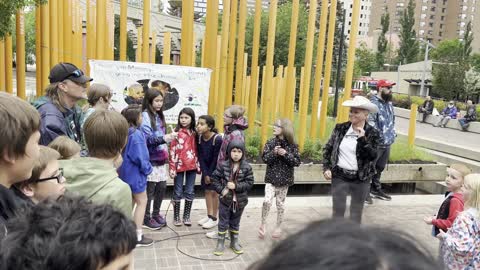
[[461, 245]]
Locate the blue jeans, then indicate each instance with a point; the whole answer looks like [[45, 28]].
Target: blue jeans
[[463, 123], [179, 192]]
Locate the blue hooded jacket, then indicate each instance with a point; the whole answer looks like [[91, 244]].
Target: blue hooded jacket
[[383, 121]]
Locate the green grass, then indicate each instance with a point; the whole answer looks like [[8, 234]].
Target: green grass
[[400, 151]]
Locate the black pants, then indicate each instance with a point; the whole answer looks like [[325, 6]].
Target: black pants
[[341, 187], [380, 163], [425, 115], [155, 192], [227, 219]]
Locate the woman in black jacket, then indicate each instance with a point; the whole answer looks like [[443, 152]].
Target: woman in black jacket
[[349, 158], [281, 155]]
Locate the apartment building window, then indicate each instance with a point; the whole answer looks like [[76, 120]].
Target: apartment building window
[[423, 16], [443, 10], [422, 24], [440, 33], [430, 32], [421, 32], [442, 18], [423, 8], [432, 9], [430, 25], [432, 17], [441, 26]]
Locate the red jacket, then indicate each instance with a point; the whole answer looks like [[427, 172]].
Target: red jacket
[[455, 207], [183, 152]]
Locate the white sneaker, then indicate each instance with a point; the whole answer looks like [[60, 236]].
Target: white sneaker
[[203, 221], [210, 224], [212, 234]]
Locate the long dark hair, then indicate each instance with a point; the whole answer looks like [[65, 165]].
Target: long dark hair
[[150, 95], [188, 111], [132, 113], [210, 122]]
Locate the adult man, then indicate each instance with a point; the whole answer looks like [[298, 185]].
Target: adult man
[[384, 122], [58, 109], [426, 108], [469, 117]]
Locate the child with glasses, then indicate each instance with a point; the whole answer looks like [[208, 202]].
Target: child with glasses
[[46, 181], [281, 155]]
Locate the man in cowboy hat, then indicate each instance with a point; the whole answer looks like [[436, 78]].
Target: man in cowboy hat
[[384, 122]]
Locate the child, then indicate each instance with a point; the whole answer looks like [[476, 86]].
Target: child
[[46, 181], [281, 156], [136, 167], [99, 97], [19, 147], [234, 125], [67, 147], [209, 144], [153, 127], [232, 179], [96, 177], [184, 163], [460, 246], [453, 203]]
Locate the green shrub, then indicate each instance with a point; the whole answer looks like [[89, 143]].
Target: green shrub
[[400, 151], [402, 101], [254, 141], [253, 152], [312, 150]]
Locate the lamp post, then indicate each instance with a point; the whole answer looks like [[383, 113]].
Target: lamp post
[[427, 45]]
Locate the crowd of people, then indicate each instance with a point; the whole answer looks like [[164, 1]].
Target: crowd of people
[[77, 189], [449, 112]]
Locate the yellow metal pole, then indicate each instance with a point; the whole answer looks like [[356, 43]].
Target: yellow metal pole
[[74, 34], [242, 99], [20, 35], [231, 52], [308, 73], [111, 31], [91, 17], [246, 89], [61, 19], [351, 53], [252, 103], [45, 30], [202, 64], [2, 66], [211, 41], [38, 52], [262, 98], [216, 78], [223, 65], [53, 5], [318, 79], [328, 67], [272, 18], [153, 49], [412, 126], [67, 32], [123, 30], [166, 48], [300, 95], [138, 53], [241, 63], [9, 64], [187, 32], [146, 31], [101, 29], [194, 50], [291, 76]]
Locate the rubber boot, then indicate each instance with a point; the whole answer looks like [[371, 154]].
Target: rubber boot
[[186, 213], [234, 243], [176, 213], [220, 244]]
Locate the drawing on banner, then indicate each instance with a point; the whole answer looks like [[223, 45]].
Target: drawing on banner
[[181, 86]]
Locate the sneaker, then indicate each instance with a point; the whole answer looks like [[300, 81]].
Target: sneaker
[[151, 224], [381, 195], [160, 220], [145, 242], [369, 199], [203, 221], [210, 224]]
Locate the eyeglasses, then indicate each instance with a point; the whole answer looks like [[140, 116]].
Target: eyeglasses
[[59, 178], [76, 73]]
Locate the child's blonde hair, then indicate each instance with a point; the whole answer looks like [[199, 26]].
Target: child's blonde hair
[[67, 147], [472, 183], [98, 91], [287, 129], [462, 169]]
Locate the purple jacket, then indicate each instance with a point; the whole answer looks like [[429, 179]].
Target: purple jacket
[[157, 148], [452, 112], [233, 132]]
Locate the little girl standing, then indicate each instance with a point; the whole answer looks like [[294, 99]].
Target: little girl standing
[[460, 246], [184, 164], [153, 126], [281, 156], [209, 144]]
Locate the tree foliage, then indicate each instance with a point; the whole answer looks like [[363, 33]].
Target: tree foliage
[[8, 8], [408, 51], [382, 41], [365, 61], [472, 82], [467, 41], [130, 49]]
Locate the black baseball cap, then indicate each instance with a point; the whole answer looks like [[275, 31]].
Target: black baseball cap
[[63, 71]]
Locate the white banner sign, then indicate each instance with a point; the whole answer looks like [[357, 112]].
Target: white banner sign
[[183, 86]]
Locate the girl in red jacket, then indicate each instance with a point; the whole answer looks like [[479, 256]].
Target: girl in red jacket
[[184, 164]]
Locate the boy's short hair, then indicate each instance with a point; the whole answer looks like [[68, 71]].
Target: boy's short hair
[[236, 111], [462, 169], [65, 146], [70, 233], [106, 133], [47, 155], [97, 91], [19, 121]]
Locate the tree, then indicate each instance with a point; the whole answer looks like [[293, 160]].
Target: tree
[[365, 61], [467, 41], [382, 41], [408, 51], [29, 38], [472, 82], [8, 8], [130, 49]]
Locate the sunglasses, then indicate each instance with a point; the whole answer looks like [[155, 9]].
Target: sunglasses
[[59, 178], [227, 116]]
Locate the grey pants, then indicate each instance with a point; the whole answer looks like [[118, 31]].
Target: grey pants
[[342, 187], [442, 120], [380, 163]]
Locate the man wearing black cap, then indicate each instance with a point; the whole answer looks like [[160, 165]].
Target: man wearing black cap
[[58, 109]]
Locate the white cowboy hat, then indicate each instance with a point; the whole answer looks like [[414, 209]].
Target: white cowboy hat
[[361, 103]]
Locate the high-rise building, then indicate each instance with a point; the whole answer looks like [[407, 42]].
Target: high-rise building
[[435, 20], [364, 20]]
